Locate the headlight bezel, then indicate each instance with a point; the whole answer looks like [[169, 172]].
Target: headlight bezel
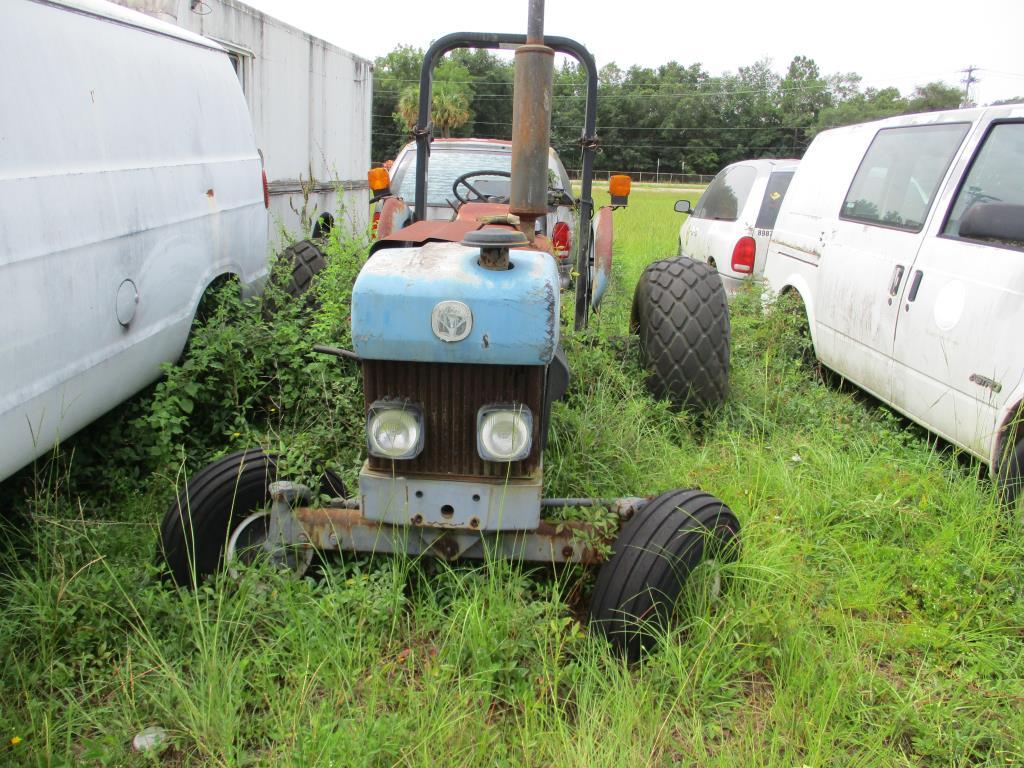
[[518, 411], [405, 407]]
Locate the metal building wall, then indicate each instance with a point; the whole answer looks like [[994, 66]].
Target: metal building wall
[[310, 103]]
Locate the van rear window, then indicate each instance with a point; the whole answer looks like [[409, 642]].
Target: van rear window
[[900, 175], [774, 194], [726, 194]]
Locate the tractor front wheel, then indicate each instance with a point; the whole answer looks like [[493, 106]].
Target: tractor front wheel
[[681, 314], [221, 515], [659, 553]]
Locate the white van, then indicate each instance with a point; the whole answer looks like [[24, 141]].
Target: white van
[[129, 182], [905, 240], [730, 228]]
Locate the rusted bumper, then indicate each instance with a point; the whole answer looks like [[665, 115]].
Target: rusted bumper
[[330, 528]]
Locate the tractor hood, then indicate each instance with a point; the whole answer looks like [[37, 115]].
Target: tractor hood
[[437, 304]]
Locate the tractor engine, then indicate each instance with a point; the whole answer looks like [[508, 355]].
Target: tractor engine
[[456, 340]]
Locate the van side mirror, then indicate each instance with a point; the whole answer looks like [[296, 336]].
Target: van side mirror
[[993, 221], [683, 206]]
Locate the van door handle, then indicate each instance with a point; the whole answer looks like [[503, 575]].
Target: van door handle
[[914, 285], [897, 278]]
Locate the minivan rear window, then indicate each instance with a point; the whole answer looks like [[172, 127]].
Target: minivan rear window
[[726, 194], [900, 175], [774, 194]]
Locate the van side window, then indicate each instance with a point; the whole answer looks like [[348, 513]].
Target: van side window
[[728, 191], [990, 203], [900, 175], [774, 193]]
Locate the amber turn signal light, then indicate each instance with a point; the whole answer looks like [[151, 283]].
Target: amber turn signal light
[[618, 185], [378, 178], [618, 188]]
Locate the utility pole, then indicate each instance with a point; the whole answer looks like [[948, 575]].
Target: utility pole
[[968, 81]]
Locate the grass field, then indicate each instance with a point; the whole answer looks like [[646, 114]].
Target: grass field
[[874, 618]]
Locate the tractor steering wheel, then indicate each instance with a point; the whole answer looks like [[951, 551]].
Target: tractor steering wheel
[[477, 195]]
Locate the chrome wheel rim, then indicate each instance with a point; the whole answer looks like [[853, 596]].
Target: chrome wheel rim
[[248, 546]]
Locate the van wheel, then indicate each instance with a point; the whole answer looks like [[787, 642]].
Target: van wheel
[[221, 510], [681, 313], [1010, 479], [659, 556]]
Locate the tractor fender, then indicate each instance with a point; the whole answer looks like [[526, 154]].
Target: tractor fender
[[394, 215], [601, 244]]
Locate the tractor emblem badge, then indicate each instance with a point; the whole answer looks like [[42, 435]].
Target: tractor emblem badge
[[451, 320]]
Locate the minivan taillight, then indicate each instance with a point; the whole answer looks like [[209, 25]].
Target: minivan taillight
[[561, 239], [266, 191], [743, 255]]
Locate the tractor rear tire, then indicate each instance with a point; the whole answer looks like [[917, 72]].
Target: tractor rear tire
[[681, 313], [214, 502], [639, 587]]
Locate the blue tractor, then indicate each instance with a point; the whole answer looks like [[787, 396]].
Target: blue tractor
[[456, 325]]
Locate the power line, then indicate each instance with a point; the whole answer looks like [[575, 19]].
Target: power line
[[639, 128], [998, 72], [676, 95], [647, 146]]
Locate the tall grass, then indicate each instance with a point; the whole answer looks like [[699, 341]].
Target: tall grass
[[876, 615]]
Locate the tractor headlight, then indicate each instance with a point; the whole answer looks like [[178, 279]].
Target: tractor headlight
[[394, 430], [504, 432]]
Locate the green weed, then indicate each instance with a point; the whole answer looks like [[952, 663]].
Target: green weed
[[875, 616]]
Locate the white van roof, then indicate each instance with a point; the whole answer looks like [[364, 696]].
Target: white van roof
[[121, 15], [968, 115]]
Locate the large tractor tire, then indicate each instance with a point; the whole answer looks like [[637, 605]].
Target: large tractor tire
[[681, 314], [303, 260], [220, 511], [658, 554], [306, 259]]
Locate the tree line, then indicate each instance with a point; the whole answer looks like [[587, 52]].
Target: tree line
[[676, 118]]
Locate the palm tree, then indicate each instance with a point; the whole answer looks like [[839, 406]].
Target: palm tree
[[449, 107]]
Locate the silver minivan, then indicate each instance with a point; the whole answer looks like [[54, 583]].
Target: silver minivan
[[734, 218], [129, 182]]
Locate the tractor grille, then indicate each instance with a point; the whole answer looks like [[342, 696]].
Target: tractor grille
[[451, 394]]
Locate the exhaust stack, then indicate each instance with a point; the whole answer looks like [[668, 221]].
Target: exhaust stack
[[531, 123]]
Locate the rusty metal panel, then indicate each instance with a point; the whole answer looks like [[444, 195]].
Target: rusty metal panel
[[334, 528], [451, 395]]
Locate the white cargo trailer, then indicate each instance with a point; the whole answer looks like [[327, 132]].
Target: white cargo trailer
[[310, 103]]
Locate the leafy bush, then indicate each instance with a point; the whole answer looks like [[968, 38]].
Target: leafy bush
[[249, 377]]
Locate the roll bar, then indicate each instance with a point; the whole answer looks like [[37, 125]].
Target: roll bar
[[423, 130]]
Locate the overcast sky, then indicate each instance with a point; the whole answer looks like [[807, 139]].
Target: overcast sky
[[889, 42]]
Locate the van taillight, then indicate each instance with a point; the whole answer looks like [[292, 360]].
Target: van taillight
[[561, 238], [743, 255], [266, 191], [375, 222]]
